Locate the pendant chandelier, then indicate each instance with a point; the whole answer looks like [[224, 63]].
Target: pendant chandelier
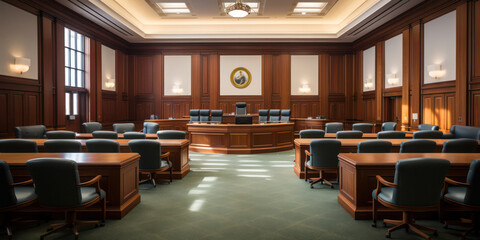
[[238, 9]]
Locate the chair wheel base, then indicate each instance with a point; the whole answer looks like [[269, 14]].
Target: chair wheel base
[[332, 187], [311, 186]]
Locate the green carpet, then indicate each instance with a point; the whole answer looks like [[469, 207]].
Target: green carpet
[[238, 197]]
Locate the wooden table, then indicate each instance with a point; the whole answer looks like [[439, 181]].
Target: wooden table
[[366, 136], [348, 146], [358, 170], [120, 135], [119, 176]]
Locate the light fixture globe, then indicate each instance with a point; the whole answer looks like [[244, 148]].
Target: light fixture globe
[[238, 9]]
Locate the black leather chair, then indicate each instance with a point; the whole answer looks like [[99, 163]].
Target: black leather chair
[[123, 127], [62, 146], [428, 134], [391, 135], [134, 135], [333, 127], [364, 127], [458, 131], [349, 134], [262, 115], [13, 196], [217, 116], [465, 145], [428, 127], [417, 187], [274, 115], [194, 115], [18, 146], [374, 146], [204, 115], [58, 186], [285, 115], [105, 134], [149, 127], [241, 108], [34, 131], [389, 126], [418, 146], [90, 127], [171, 134], [312, 133], [151, 157], [61, 135], [322, 158], [102, 146]]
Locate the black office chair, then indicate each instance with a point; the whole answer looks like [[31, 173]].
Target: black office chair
[[58, 186], [18, 146], [285, 115], [241, 108], [274, 115], [217, 116], [204, 115], [463, 145], [171, 134], [418, 146], [90, 127], [391, 135], [349, 134], [416, 187], [34, 131], [374, 146], [61, 135], [62, 146], [123, 127], [194, 115], [333, 127], [428, 134], [105, 134], [428, 127], [149, 127], [389, 126], [13, 196], [322, 158], [364, 127], [151, 157], [312, 133], [102, 146], [262, 115]]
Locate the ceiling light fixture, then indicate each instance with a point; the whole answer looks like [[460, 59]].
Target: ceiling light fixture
[[238, 9]]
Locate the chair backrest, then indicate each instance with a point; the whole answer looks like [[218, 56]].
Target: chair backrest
[[472, 197], [7, 193], [241, 108], [60, 135], [374, 146], [285, 115], [34, 131], [18, 146], [62, 146], [390, 135], [426, 127], [89, 127], [364, 127], [349, 134], [312, 133], [465, 132], [420, 181], [262, 115], [171, 134], [194, 115], [217, 115], [324, 152], [102, 146], [105, 134], [418, 146], [56, 181], [149, 127], [428, 134], [389, 126], [333, 127], [149, 150], [464, 145], [204, 115], [134, 135], [123, 127], [274, 115]]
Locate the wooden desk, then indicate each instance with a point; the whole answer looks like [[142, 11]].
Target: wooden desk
[[357, 173], [366, 136], [120, 135], [313, 123], [119, 176], [228, 118], [171, 124]]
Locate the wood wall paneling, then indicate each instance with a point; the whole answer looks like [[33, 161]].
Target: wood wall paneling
[[323, 82], [406, 80], [47, 70], [416, 66], [462, 65], [379, 78], [476, 41]]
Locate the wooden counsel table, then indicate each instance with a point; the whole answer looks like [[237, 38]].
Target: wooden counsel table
[[119, 176], [120, 135], [240, 138], [365, 135], [357, 173]]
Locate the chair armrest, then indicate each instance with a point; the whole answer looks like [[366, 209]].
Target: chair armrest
[[308, 153], [24, 183], [382, 182], [449, 181], [90, 182], [165, 155]]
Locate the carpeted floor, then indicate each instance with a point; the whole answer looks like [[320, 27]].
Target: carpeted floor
[[238, 197]]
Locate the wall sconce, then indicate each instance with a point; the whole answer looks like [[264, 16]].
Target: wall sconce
[[21, 65], [393, 79], [177, 89], [436, 71], [368, 84], [110, 83], [305, 89]]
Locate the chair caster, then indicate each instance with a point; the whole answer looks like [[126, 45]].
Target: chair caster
[[311, 186], [388, 235], [374, 224], [332, 187]]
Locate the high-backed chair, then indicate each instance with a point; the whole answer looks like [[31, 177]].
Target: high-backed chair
[[90, 127], [102, 146], [428, 134], [194, 115], [322, 158], [149, 127], [18, 146], [123, 127], [13, 196], [58, 186], [312, 133], [262, 115], [389, 126], [364, 127], [416, 187], [60, 135], [134, 135], [459, 131], [426, 127], [217, 116], [374, 146], [105, 134], [151, 157], [333, 127], [285, 115], [464, 145], [62, 146], [418, 146], [390, 135], [171, 134], [241, 108], [349, 134], [34, 131], [274, 115], [204, 115]]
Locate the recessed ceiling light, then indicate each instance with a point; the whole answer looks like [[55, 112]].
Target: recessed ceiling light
[[304, 13], [177, 11], [172, 5], [311, 4], [307, 10]]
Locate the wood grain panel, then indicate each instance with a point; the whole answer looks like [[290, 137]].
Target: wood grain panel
[[47, 70], [406, 80], [262, 139], [323, 82], [336, 84], [475, 100], [240, 140], [449, 110], [4, 113], [416, 63], [32, 104], [462, 64], [143, 72], [427, 112], [476, 40]]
